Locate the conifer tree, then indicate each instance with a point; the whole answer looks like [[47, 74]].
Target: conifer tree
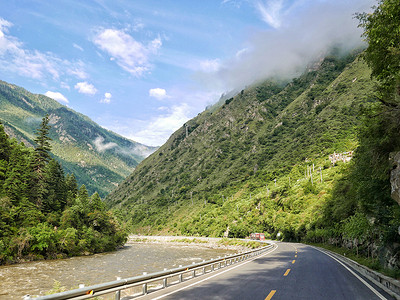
[[56, 197], [4, 144], [43, 148], [71, 185], [41, 158], [17, 175], [96, 203], [5, 150]]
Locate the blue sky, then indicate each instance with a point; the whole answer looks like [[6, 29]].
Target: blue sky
[[143, 68]]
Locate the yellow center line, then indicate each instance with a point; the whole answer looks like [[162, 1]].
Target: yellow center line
[[293, 261], [295, 256], [287, 272], [270, 295]]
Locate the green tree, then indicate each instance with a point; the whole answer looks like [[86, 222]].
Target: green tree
[[5, 148], [71, 184], [56, 197], [382, 32], [96, 203], [41, 158], [18, 177], [43, 148]]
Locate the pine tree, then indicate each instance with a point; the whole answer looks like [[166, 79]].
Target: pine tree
[[43, 148], [41, 158], [5, 148], [56, 197], [96, 203], [72, 188], [17, 175]]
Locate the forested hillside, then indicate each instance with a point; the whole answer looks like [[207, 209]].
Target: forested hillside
[[99, 158], [265, 162], [268, 131], [43, 214]]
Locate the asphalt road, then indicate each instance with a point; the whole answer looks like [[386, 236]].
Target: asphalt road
[[289, 271]]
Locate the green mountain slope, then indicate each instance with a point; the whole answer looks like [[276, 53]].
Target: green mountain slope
[[99, 158], [218, 170]]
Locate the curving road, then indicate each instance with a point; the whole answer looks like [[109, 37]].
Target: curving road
[[289, 271]]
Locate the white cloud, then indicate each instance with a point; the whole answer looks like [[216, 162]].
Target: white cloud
[[158, 93], [85, 88], [57, 96], [76, 46], [106, 99], [101, 146], [210, 65], [32, 63], [287, 50], [270, 11], [159, 129], [129, 54], [65, 85]]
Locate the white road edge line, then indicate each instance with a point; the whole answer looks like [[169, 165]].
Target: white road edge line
[[352, 272], [229, 269]]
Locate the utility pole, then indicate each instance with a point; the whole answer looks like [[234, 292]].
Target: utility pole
[[275, 181]]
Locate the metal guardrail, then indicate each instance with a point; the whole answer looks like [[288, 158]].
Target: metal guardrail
[[144, 280]]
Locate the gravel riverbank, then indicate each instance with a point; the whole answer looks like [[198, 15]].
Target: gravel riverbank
[[207, 242]]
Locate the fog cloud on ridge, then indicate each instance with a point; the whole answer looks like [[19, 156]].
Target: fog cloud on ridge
[[305, 34]]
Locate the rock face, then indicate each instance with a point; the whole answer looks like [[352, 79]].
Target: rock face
[[395, 176]]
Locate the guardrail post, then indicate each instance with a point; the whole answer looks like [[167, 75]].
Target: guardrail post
[[118, 293], [180, 275], [144, 287], [165, 280], [165, 283]]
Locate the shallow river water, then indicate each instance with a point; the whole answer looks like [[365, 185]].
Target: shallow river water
[[36, 278]]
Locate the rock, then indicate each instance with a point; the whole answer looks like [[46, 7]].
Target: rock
[[394, 159]]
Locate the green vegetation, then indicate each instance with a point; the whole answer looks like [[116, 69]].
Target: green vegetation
[[261, 161], [99, 158], [222, 174], [241, 243], [43, 214]]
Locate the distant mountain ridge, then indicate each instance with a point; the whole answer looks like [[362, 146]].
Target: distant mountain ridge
[[99, 158]]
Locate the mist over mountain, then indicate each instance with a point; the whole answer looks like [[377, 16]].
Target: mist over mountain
[[297, 39], [238, 147]]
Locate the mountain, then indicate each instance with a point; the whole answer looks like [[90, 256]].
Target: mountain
[[99, 158], [218, 171]]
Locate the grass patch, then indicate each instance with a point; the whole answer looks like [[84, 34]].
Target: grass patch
[[238, 242]]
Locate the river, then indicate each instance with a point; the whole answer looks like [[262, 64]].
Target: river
[[36, 278]]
